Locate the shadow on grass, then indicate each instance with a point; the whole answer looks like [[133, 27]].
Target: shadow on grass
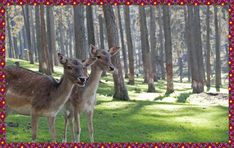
[[161, 97], [183, 97]]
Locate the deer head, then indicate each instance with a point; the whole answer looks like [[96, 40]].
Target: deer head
[[104, 57], [74, 69]]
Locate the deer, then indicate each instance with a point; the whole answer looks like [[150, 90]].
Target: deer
[[83, 99], [34, 94]]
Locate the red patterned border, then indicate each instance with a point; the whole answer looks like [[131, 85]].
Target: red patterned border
[[227, 3]]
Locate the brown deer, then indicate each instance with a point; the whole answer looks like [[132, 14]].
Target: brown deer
[[84, 99], [35, 94]]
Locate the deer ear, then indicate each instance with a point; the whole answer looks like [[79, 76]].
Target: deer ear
[[114, 50], [62, 59], [88, 62], [93, 50]]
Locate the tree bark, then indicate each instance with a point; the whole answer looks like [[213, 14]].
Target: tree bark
[[162, 67], [9, 36], [130, 45], [217, 52], [197, 25], [197, 79], [45, 63], [146, 51], [90, 28], [121, 92], [50, 40], [122, 44], [101, 25], [186, 38], [28, 36], [168, 49], [79, 28], [208, 66], [153, 41]]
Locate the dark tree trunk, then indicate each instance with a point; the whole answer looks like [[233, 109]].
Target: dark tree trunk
[[79, 28], [121, 92], [153, 41], [9, 37], [130, 45], [16, 48], [90, 28], [21, 45], [50, 40], [61, 36], [122, 44], [168, 49], [38, 36], [100, 19], [101, 35], [27, 26], [145, 50], [197, 26], [162, 67], [180, 61], [208, 66], [45, 63], [197, 79], [186, 38], [217, 52]]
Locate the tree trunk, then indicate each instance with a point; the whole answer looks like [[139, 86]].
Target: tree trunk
[[130, 45], [180, 63], [27, 26], [198, 41], [208, 66], [90, 28], [162, 67], [146, 51], [100, 19], [79, 29], [21, 45], [197, 79], [9, 37], [15, 53], [122, 44], [121, 92], [45, 63], [50, 40], [217, 52], [153, 41], [168, 49], [38, 35], [186, 38]]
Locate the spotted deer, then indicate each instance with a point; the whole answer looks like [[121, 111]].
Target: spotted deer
[[34, 94], [83, 99]]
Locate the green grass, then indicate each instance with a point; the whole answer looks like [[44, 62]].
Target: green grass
[[148, 117]]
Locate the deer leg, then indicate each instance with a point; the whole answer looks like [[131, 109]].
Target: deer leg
[[65, 128], [34, 123], [51, 121], [71, 121], [90, 125], [78, 129]]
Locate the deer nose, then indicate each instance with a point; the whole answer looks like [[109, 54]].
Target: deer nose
[[82, 80], [112, 68]]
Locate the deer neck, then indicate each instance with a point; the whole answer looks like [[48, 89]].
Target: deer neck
[[62, 92], [94, 78]]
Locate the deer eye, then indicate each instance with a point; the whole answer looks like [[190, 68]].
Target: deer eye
[[69, 67]]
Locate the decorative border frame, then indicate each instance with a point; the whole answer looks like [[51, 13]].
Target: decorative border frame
[[227, 3]]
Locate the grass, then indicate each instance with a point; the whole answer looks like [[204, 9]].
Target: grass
[[142, 119]]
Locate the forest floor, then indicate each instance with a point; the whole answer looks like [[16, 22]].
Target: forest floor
[[147, 117]]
